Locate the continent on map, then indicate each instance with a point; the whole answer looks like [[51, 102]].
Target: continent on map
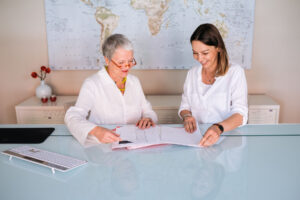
[[108, 22], [87, 2], [200, 2], [154, 10], [222, 28]]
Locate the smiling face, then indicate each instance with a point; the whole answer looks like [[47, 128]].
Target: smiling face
[[206, 55], [121, 62]]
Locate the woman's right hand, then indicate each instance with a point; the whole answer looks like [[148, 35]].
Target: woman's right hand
[[105, 135], [189, 123]]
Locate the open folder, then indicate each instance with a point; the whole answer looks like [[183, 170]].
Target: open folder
[[133, 137]]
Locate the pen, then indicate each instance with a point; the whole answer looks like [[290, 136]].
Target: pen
[[124, 142]]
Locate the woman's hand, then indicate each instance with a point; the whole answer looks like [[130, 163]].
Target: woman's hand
[[189, 123], [211, 136], [145, 123], [105, 135]]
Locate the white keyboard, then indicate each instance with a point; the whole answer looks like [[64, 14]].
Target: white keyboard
[[46, 158]]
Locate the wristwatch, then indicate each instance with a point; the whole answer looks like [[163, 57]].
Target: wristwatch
[[220, 127]]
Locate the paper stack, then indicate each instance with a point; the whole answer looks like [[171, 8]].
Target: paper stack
[[160, 134]]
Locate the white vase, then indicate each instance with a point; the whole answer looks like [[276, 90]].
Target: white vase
[[43, 90]]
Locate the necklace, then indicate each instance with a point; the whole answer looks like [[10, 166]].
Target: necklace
[[122, 88], [122, 84], [206, 78], [211, 80]]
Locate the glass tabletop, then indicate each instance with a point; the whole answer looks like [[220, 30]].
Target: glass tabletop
[[242, 167]]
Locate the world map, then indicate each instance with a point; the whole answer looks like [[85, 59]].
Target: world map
[[159, 30]]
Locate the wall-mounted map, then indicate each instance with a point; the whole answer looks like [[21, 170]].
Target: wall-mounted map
[[159, 29]]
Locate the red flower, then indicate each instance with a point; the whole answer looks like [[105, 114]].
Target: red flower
[[34, 75], [43, 68], [43, 73], [48, 70]]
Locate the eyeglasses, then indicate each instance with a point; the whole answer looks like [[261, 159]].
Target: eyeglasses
[[130, 63]]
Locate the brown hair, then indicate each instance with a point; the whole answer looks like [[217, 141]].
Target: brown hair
[[210, 35]]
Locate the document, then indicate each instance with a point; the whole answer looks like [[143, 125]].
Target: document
[[133, 137]]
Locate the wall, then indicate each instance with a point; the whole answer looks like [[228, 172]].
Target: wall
[[275, 69]]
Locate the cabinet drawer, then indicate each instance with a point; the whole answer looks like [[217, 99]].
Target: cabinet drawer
[[263, 116], [41, 116]]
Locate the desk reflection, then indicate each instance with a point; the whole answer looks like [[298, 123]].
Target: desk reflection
[[166, 169], [122, 177], [225, 157]]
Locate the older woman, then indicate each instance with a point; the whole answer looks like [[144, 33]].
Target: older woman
[[111, 96], [214, 92]]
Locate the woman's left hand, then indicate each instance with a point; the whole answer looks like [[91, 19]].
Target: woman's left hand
[[211, 136], [145, 123]]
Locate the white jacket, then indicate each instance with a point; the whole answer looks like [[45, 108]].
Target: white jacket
[[102, 102], [227, 96]]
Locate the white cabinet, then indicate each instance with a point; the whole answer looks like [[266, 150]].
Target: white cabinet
[[166, 108], [33, 111], [262, 109]]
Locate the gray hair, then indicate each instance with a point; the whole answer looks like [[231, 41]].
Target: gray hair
[[113, 42]]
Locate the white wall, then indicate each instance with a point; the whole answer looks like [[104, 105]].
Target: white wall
[[275, 68]]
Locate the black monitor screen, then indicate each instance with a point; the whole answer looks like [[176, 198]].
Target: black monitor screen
[[24, 135]]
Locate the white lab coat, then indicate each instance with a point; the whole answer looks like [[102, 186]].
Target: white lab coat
[[227, 96], [100, 96]]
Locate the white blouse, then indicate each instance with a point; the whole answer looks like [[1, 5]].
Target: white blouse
[[226, 96], [101, 102]]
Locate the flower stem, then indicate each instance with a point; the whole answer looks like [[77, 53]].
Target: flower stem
[[42, 75]]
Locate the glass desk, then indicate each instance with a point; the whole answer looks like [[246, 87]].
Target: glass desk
[[259, 162]]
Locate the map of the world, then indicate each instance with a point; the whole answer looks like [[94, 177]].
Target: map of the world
[[159, 30]]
